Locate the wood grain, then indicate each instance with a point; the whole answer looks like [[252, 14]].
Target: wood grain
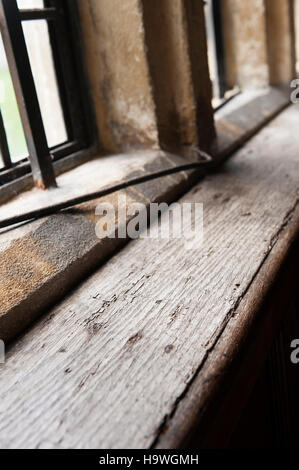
[[106, 366]]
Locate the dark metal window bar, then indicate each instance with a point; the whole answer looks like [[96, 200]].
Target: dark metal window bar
[[70, 84], [206, 160], [219, 46]]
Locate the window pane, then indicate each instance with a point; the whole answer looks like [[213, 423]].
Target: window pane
[[212, 50], [222, 91], [41, 60], [10, 113], [23, 4]]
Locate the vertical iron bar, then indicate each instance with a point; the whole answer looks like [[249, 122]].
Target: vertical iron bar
[[4, 145], [20, 69], [218, 29]]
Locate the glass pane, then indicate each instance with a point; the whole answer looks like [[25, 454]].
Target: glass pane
[[41, 59], [212, 50], [221, 90], [23, 4], [10, 113]]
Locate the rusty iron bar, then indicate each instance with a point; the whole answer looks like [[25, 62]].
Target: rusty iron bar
[[29, 14], [219, 46], [53, 209], [4, 145], [22, 78]]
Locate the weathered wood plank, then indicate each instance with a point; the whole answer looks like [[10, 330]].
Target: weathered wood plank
[[224, 382], [106, 366], [41, 261]]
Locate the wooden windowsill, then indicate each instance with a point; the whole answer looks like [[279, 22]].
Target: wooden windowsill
[[62, 265], [137, 356], [41, 260]]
